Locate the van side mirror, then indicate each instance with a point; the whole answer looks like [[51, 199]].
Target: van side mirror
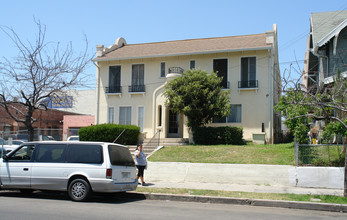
[[5, 157]]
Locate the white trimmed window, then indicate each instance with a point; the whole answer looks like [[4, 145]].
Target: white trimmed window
[[192, 64], [141, 117], [234, 117], [248, 73], [110, 115], [125, 115], [162, 69], [235, 114], [220, 66]]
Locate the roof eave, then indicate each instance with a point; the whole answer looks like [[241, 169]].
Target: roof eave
[[98, 59], [330, 35]]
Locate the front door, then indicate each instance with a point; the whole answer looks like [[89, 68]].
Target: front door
[[173, 126]]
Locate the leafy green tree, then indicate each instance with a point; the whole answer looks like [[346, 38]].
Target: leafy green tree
[[199, 96], [297, 125]]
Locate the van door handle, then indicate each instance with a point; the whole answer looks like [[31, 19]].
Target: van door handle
[[26, 169]]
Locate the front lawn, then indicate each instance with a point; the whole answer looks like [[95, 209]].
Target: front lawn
[[277, 154]]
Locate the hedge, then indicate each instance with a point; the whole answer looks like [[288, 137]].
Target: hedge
[[218, 135], [109, 132]]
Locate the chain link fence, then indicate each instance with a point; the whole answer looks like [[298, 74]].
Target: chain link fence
[[319, 155], [39, 134]]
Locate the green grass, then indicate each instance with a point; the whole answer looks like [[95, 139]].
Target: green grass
[[277, 154], [248, 195]]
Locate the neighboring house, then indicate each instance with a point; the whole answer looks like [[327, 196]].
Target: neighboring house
[[75, 101], [72, 123], [49, 122], [64, 117], [131, 80], [326, 48]]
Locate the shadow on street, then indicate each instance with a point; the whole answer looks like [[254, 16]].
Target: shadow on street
[[111, 198]]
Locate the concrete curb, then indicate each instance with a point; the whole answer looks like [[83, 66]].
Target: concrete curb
[[331, 207]]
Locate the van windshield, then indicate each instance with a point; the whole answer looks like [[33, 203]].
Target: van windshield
[[120, 156]]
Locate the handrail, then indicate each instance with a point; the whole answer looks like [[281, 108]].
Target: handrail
[[119, 136], [150, 141]]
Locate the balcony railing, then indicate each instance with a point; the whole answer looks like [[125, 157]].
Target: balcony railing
[[137, 88], [248, 84], [114, 89], [176, 70]]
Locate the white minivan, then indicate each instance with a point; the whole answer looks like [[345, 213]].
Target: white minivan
[[80, 168]]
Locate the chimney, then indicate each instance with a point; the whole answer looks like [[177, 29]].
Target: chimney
[[99, 50], [269, 37]]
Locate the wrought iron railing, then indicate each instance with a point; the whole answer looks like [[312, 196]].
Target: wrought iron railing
[[248, 84], [155, 141], [137, 88], [114, 89], [176, 70]]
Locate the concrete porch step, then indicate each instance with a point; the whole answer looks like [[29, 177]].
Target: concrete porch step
[[166, 141]]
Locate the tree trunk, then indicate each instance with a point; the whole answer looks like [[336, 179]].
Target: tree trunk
[[29, 126]]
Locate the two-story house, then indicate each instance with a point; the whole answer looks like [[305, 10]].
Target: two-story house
[[326, 53], [131, 79]]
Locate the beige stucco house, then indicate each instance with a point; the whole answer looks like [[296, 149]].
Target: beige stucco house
[[131, 79]]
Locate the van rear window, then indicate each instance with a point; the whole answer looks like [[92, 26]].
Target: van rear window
[[120, 156], [84, 154]]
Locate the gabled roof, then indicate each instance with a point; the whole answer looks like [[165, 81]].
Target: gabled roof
[[187, 47], [326, 25]]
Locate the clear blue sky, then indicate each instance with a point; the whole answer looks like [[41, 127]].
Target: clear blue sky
[[140, 21]]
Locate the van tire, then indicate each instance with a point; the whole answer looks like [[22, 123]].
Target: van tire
[[79, 190]]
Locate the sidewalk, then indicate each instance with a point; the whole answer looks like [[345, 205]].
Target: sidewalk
[[244, 178]]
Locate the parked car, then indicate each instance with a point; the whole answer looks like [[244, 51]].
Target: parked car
[[25, 137], [73, 138], [15, 142], [4, 144], [80, 168]]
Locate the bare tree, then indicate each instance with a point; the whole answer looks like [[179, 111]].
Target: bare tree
[[41, 71]]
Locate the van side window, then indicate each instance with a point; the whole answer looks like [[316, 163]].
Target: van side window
[[120, 156], [79, 153], [53, 153], [23, 154]]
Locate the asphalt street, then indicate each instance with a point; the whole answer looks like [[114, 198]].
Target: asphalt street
[[14, 205]]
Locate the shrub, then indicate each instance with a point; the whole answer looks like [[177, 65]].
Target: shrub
[[218, 135], [300, 133], [109, 132]]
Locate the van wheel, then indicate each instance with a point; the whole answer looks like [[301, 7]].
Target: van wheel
[[79, 190]]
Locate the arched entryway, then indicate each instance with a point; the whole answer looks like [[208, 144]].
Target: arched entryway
[[174, 125]]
